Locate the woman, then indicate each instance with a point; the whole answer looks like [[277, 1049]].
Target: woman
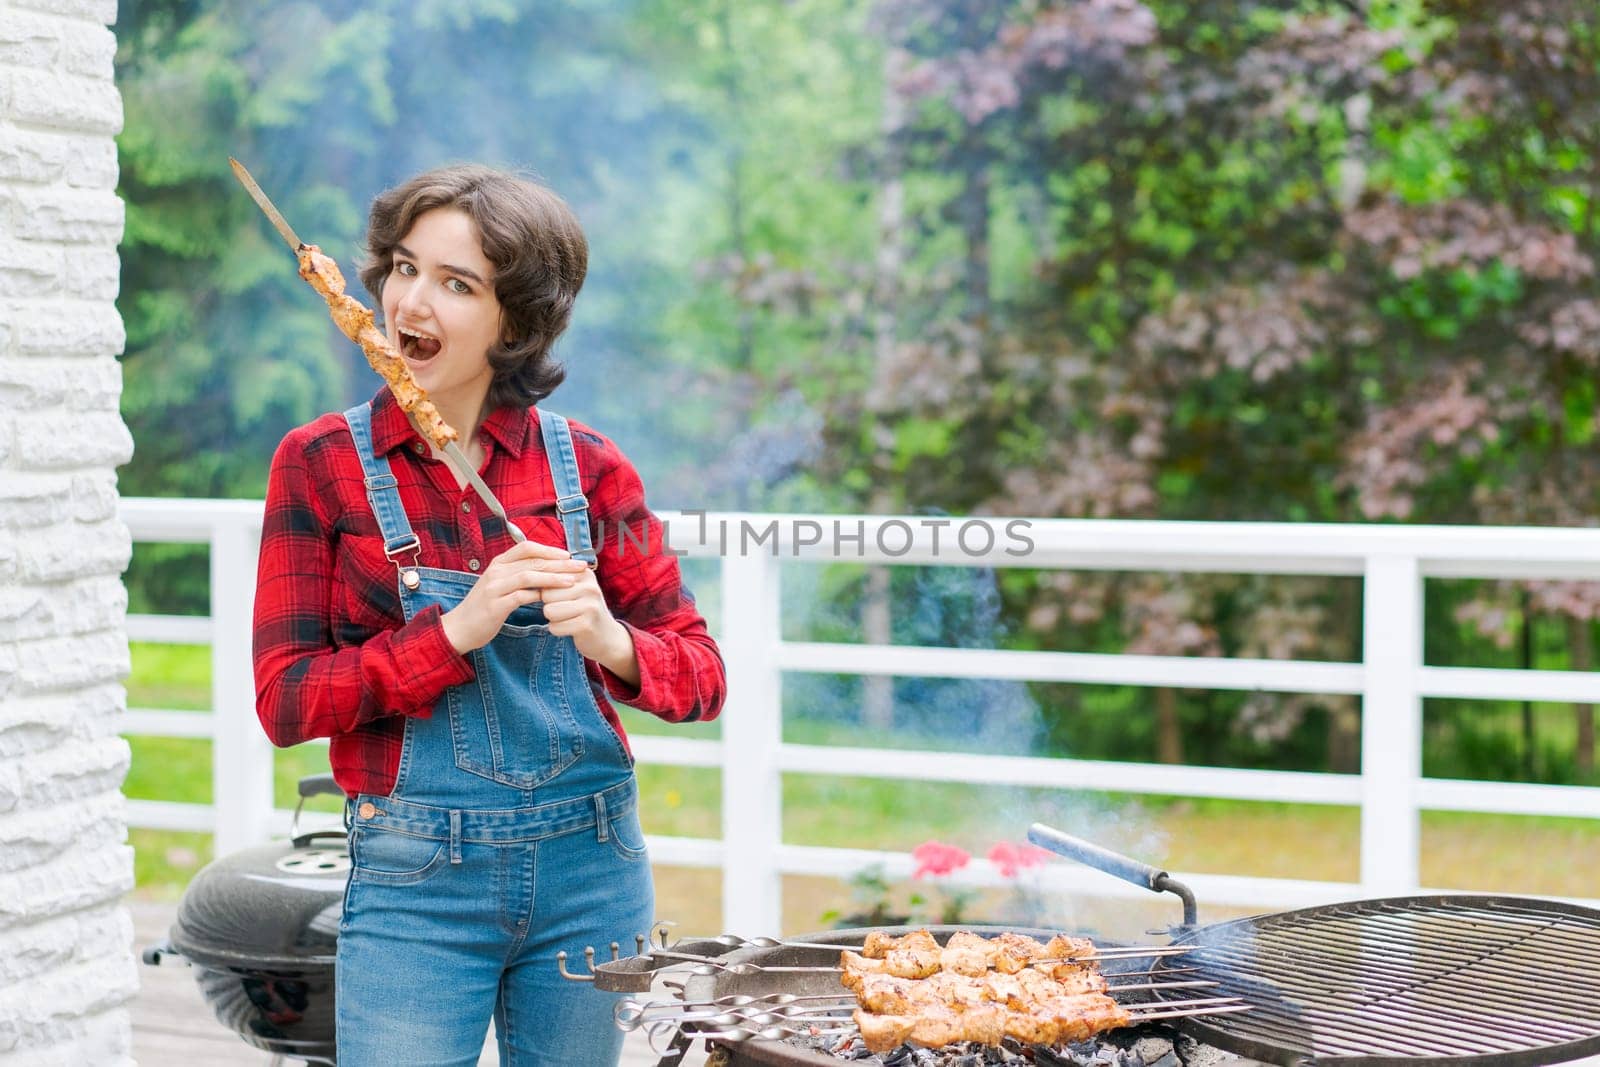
[[466, 681]]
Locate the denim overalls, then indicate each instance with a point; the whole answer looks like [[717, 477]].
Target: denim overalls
[[511, 834]]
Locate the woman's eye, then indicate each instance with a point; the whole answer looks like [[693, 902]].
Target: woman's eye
[[405, 268], [459, 286]]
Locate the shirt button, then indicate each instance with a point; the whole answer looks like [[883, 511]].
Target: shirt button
[[419, 448], [472, 564], [466, 505]]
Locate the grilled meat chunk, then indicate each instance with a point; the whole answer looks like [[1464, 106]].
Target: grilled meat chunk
[[967, 953], [1076, 977], [883, 1033], [1032, 1029], [355, 321], [914, 959], [938, 1026], [1080, 1018], [1014, 952], [1062, 947], [853, 968], [890, 995]]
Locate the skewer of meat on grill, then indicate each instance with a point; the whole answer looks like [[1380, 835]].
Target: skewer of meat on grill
[[974, 989], [918, 955], [1046, 1022]]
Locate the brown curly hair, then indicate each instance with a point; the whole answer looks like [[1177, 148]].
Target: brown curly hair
[[539, 254]]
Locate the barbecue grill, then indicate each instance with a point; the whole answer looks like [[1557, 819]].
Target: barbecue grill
[[1422, 981], [1460, 980], [259, 928]]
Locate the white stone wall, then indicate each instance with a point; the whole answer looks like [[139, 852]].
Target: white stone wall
[[66, 962]]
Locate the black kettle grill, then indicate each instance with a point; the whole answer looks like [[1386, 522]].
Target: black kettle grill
[[259, 927]]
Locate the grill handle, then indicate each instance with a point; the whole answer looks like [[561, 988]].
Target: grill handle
[[314, 785], [1114, 863]]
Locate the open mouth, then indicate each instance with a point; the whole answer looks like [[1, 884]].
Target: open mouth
[[418, 347]]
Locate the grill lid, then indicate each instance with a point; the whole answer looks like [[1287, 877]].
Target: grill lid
[[271, 907], [1406, 981]]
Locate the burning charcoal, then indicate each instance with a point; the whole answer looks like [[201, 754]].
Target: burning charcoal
[[900, 1057], [1196, 1054], [1093, 1054], [1154, 1050]]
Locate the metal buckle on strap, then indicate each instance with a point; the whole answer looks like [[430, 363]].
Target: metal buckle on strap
[[566, 505], [408, 575], [413, 546]]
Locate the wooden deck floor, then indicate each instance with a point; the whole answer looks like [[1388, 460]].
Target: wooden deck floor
[[173, 1024]]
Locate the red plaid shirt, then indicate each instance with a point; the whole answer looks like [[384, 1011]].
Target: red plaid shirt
[[334, 656]]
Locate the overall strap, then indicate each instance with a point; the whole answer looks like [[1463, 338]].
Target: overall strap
[[571, 504], [382, 493]]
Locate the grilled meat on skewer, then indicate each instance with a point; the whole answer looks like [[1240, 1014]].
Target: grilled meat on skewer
[[978, 990], [891, 994], [918, 955], [883, 1033], [967, 953], [355, 321], [1050, 1022]]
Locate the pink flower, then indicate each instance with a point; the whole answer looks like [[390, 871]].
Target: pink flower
[[1012, 858], [937, 858]]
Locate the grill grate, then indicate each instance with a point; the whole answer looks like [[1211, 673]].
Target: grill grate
[[1412, 980]]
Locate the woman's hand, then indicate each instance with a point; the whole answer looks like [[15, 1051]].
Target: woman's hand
[[579, 611], [523, 574]]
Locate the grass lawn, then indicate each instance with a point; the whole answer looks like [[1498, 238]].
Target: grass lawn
[[1459, 850]]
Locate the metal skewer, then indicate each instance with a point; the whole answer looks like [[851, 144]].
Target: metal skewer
[[631, 1015], [781, 1017], [1194, 984], [459, 460], [268, 209], [1129, 952], [774, 1033], [780, 1030], [1232, 1003], [1152, 970], [1220, 1009]]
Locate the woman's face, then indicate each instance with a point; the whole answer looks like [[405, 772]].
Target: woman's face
[[440, 309]]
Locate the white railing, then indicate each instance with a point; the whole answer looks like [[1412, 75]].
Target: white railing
[[1392, 681]]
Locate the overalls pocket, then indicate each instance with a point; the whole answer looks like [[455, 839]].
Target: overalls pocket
[[388, 857], [513, 724], [626, 836]]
